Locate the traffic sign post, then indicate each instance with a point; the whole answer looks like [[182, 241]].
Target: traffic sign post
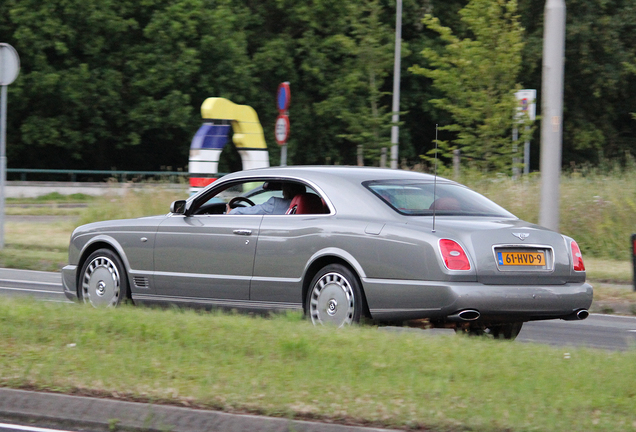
[[9, 70], [634, 258], [527, 106], [281, 131]]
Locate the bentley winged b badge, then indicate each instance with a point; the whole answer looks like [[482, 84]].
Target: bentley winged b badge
[[521, 235]]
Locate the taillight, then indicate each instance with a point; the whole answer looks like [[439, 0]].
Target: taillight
[[577, 257], [453, 255]]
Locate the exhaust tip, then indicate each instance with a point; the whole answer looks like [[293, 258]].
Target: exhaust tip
[[465, 315], [469, 315], [580, 314]]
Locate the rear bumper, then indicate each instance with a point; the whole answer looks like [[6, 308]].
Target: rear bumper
[[405, 300], [69, 278]]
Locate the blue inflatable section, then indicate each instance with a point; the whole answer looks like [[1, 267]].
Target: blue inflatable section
[[211, 136]]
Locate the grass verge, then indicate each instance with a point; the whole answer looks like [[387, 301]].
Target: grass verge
[[285, 367], [36, 246], [604, 270]]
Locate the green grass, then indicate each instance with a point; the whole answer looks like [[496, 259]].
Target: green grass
[[45, 210], [609, 270], [53, 197], [133, 204], [36, 246], [612, 293], [44, 246], [283, 366]]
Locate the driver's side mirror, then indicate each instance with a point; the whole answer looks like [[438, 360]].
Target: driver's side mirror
[[178, 207]]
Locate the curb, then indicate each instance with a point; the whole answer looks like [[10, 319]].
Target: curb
[[114, 415]]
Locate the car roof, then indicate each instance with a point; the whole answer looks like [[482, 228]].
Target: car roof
[[320, 174]]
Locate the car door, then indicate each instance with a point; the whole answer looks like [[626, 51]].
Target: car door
[[285, 245], [207, 257]]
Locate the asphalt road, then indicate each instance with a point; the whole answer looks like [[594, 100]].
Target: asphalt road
[[598, 331]]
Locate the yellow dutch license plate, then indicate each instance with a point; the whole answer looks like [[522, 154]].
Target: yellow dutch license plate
[[521, 258]]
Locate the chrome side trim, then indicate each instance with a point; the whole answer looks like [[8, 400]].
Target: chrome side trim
[[230, 277], [276, 279], [202, 276], [243, 304], [385, 310], [412, 282]]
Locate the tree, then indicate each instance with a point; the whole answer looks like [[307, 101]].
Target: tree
[[357, 93], [109, 83], [476, 78], [599, 86]]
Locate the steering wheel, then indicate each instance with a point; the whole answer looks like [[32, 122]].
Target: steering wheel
[[236, 202]]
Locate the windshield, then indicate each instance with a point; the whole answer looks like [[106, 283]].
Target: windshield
[[420, 198]]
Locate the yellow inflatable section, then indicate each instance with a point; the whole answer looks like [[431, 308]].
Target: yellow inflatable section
[[248, 132]]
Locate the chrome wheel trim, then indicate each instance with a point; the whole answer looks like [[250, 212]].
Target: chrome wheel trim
[[101, 283], [332, 301]]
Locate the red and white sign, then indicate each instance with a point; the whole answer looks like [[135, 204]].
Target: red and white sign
[[282, 129], [527, 103]]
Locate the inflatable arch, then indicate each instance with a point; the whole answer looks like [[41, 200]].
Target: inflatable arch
[[219, 115]]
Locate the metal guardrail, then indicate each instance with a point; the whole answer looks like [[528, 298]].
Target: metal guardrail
[[122, 175]]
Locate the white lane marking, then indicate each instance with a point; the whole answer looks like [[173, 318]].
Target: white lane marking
[[611, 316], [12, 270], [29, 290], [29, 428], [31, 282]]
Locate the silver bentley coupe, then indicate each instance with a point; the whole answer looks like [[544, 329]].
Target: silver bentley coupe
[[340, 244]]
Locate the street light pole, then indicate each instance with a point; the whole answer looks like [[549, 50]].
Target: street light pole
[[552, 112], [396, 86]]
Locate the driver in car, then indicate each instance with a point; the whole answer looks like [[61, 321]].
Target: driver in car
[[274, 205]]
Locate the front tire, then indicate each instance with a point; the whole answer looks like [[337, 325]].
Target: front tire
[[103, 281], [334, 297]]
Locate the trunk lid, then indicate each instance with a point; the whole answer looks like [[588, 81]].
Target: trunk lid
[[509, 251]]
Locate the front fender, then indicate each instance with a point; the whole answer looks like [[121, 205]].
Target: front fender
[[98, 242]]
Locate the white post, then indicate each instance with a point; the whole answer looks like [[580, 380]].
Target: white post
[[526, 155], [9, 70], [3, 158]]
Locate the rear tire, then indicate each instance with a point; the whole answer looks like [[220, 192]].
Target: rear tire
[[103, 281], [505, 331], [334, 297]]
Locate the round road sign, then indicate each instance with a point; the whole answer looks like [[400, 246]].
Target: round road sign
[[282, 129], [284, 97], [9, 64]]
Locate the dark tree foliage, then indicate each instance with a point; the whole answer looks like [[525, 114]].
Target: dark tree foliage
[[600, 83], [119, 83]]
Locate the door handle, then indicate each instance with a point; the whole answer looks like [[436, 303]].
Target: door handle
[[244, 232]]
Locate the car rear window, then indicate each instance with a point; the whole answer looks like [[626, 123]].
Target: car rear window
[[420, 198]]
